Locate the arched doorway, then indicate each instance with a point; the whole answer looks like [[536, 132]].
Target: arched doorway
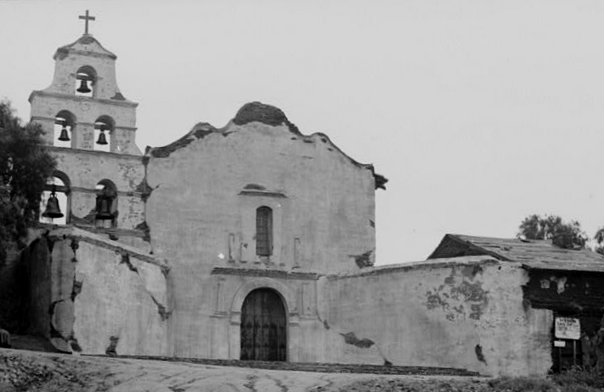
[[263, 327]]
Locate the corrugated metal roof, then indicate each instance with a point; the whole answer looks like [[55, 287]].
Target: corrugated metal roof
[[538, 254]]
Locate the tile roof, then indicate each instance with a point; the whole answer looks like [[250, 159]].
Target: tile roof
[[533, 254]]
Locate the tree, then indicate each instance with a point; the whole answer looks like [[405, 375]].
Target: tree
[[599, 237], [562, 234], [25, 166]]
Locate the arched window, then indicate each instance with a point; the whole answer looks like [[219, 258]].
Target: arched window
[[56, 211], [103, 133], [106, 204], [85, 81], [64, 123], [264, 231]]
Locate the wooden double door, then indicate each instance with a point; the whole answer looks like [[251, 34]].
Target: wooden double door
[[263, 327]]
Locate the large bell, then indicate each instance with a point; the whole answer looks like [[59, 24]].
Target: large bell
[[103, 207], [64, 137], [102, 140], [83, 86], [52, 207]]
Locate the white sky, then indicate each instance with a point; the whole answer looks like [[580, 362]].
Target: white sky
[[478, 112]]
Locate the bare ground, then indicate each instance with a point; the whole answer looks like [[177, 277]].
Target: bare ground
[[36, 372]]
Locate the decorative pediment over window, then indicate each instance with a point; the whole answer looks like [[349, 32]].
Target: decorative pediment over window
[[259, 190]]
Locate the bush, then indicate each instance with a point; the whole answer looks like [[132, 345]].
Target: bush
[[524, 384], [580, 380]]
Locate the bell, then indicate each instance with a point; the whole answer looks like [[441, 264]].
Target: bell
[[52, 207], [103, 210], [83, 86], [102, 140], [64, 137]]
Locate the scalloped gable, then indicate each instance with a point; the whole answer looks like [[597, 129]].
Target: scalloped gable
[[85, 44], [265, 114]]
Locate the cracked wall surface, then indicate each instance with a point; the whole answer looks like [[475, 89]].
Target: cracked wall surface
[[95, 299], [322, 204], [466, 312]]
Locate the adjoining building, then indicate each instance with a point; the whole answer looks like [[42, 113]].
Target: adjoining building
[[565, 286]]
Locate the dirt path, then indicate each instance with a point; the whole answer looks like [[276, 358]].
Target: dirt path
[[34, 371]]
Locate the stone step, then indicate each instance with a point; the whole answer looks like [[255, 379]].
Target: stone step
[[317, 367]]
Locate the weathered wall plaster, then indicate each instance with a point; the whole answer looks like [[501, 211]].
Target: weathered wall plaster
[[466, 312], [99, 294], [318, 197], [202, 211]]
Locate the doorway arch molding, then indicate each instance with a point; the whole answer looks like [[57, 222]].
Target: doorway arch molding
[[289, 299]]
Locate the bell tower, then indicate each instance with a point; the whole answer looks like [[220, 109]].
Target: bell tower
[[83, 107], [90, 127]]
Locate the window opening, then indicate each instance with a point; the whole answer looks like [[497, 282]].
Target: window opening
[[264, 231]]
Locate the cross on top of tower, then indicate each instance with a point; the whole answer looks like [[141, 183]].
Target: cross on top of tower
[[86, 18]]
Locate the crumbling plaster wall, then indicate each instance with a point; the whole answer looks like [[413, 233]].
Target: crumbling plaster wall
[[201, 212], [102, 296], [208, 189], [465, 313]]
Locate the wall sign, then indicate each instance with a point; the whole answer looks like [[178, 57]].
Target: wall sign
[[567, 328]]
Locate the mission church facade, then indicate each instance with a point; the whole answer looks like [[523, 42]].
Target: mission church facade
[[250, 241]]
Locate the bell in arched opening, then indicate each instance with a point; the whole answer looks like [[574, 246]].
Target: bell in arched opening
[[64, 124], [52, 210], [103, 209], [103, 133], [102, 140], [84, 89], [64, 137], [104, 203]]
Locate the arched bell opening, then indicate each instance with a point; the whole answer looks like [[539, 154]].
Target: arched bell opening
[[55, 202], [103, 133], [86, 79], [106, 204], [63, 128], [263, 326]]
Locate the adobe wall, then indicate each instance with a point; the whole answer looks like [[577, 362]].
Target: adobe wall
[[465, 313], [96, 296], [206, 191], [206, 188]]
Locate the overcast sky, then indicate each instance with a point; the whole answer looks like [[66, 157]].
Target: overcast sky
[[478, 112]]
